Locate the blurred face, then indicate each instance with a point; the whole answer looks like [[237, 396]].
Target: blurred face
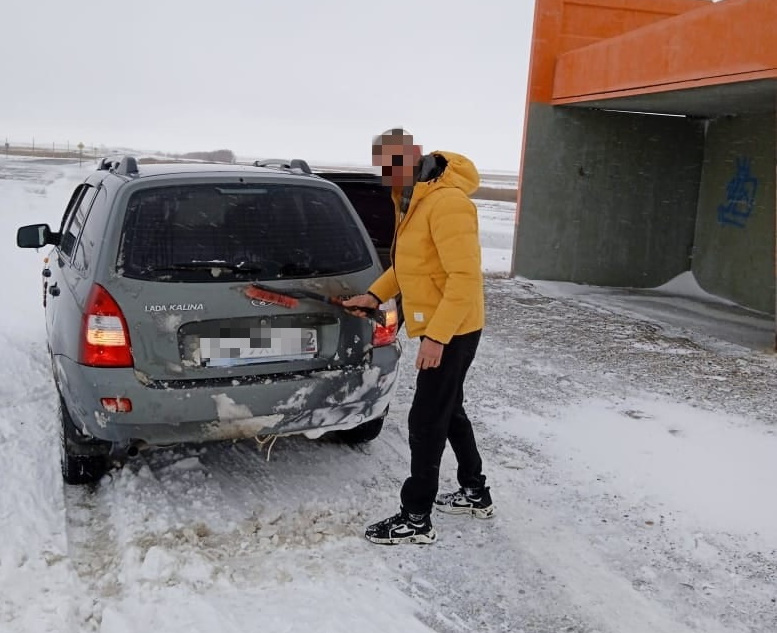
[[397, 159]]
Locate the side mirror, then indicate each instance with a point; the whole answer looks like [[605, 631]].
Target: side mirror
[[35, 236]]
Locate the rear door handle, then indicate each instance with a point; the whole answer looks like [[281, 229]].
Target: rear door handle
[[54, 290]]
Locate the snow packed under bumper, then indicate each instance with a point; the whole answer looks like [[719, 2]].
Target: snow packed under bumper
[[311, 403]]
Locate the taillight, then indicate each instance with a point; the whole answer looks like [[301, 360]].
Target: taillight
[[105, 338], [386, 334]]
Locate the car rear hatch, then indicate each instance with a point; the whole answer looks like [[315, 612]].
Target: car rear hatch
[[189, 254], [373, 204]]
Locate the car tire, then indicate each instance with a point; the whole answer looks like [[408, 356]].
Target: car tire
[[365, 432], [83, 461]]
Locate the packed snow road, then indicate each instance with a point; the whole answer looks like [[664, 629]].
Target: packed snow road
[[632, 464]]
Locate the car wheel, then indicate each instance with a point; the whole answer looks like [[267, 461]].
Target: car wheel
[[365, 432], [83, 460]]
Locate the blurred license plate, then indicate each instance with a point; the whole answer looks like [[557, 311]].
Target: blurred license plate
[[266, 345]]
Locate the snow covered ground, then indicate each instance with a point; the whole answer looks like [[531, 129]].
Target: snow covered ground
[[496, 225], [681, 303], [631, 460]]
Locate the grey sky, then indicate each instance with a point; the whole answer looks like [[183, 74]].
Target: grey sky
[[281, 79]]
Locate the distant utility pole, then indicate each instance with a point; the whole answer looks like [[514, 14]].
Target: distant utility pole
[[33, 146], [7, 146], [80, 153]]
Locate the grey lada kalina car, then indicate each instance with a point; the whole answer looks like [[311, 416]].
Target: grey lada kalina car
[[155, 337]]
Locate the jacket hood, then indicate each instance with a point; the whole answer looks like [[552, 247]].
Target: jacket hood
[[437, 170], [459, 172]]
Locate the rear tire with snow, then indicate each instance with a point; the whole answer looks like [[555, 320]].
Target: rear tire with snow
[[365, 432], [83, 460]]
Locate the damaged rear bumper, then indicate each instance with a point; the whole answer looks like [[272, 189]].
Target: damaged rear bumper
[[310, 403]]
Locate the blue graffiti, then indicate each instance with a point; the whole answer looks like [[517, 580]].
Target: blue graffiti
[[740, 196]]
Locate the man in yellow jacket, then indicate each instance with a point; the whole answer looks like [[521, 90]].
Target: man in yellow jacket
[[436, 267]]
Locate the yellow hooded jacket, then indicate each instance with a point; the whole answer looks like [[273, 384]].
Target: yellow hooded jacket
[[436, 256]]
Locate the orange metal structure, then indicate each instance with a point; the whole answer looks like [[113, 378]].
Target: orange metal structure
[[719, 43], [603, 52], [563, 26]]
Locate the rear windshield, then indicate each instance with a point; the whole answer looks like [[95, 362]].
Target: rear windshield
[[218, 232]]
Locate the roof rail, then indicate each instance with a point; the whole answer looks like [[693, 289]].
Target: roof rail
[[124, 166], [297, 165], [128, 166]]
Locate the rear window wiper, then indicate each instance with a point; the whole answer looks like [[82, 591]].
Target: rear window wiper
[[246, 267]]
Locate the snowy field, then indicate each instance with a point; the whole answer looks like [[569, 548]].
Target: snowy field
[[631, 458]]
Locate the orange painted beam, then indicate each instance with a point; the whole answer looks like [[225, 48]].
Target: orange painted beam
[[594, 20], [565, 25], [715, 44]]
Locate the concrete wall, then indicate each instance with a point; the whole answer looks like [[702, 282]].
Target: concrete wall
[[733, 255], [607, 198]]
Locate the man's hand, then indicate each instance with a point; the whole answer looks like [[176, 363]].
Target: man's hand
[[429, 354], [361, 301]]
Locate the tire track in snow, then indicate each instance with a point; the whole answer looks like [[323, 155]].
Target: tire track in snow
[[191, 520], [222, 500], [94, 553], [606, 597]]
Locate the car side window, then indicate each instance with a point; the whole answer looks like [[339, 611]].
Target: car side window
[[76, 221], [71, 206], [92, 232]]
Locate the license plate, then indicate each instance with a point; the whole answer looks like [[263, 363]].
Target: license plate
[[265, 345]]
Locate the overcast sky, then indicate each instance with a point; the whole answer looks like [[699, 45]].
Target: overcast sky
[[268, 79]]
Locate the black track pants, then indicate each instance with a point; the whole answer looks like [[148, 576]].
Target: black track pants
[[437, 415]]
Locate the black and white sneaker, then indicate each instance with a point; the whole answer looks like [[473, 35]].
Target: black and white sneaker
[[402, 528], [476, 502]]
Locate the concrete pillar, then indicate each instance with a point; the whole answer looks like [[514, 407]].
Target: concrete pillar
[[607, 198]]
